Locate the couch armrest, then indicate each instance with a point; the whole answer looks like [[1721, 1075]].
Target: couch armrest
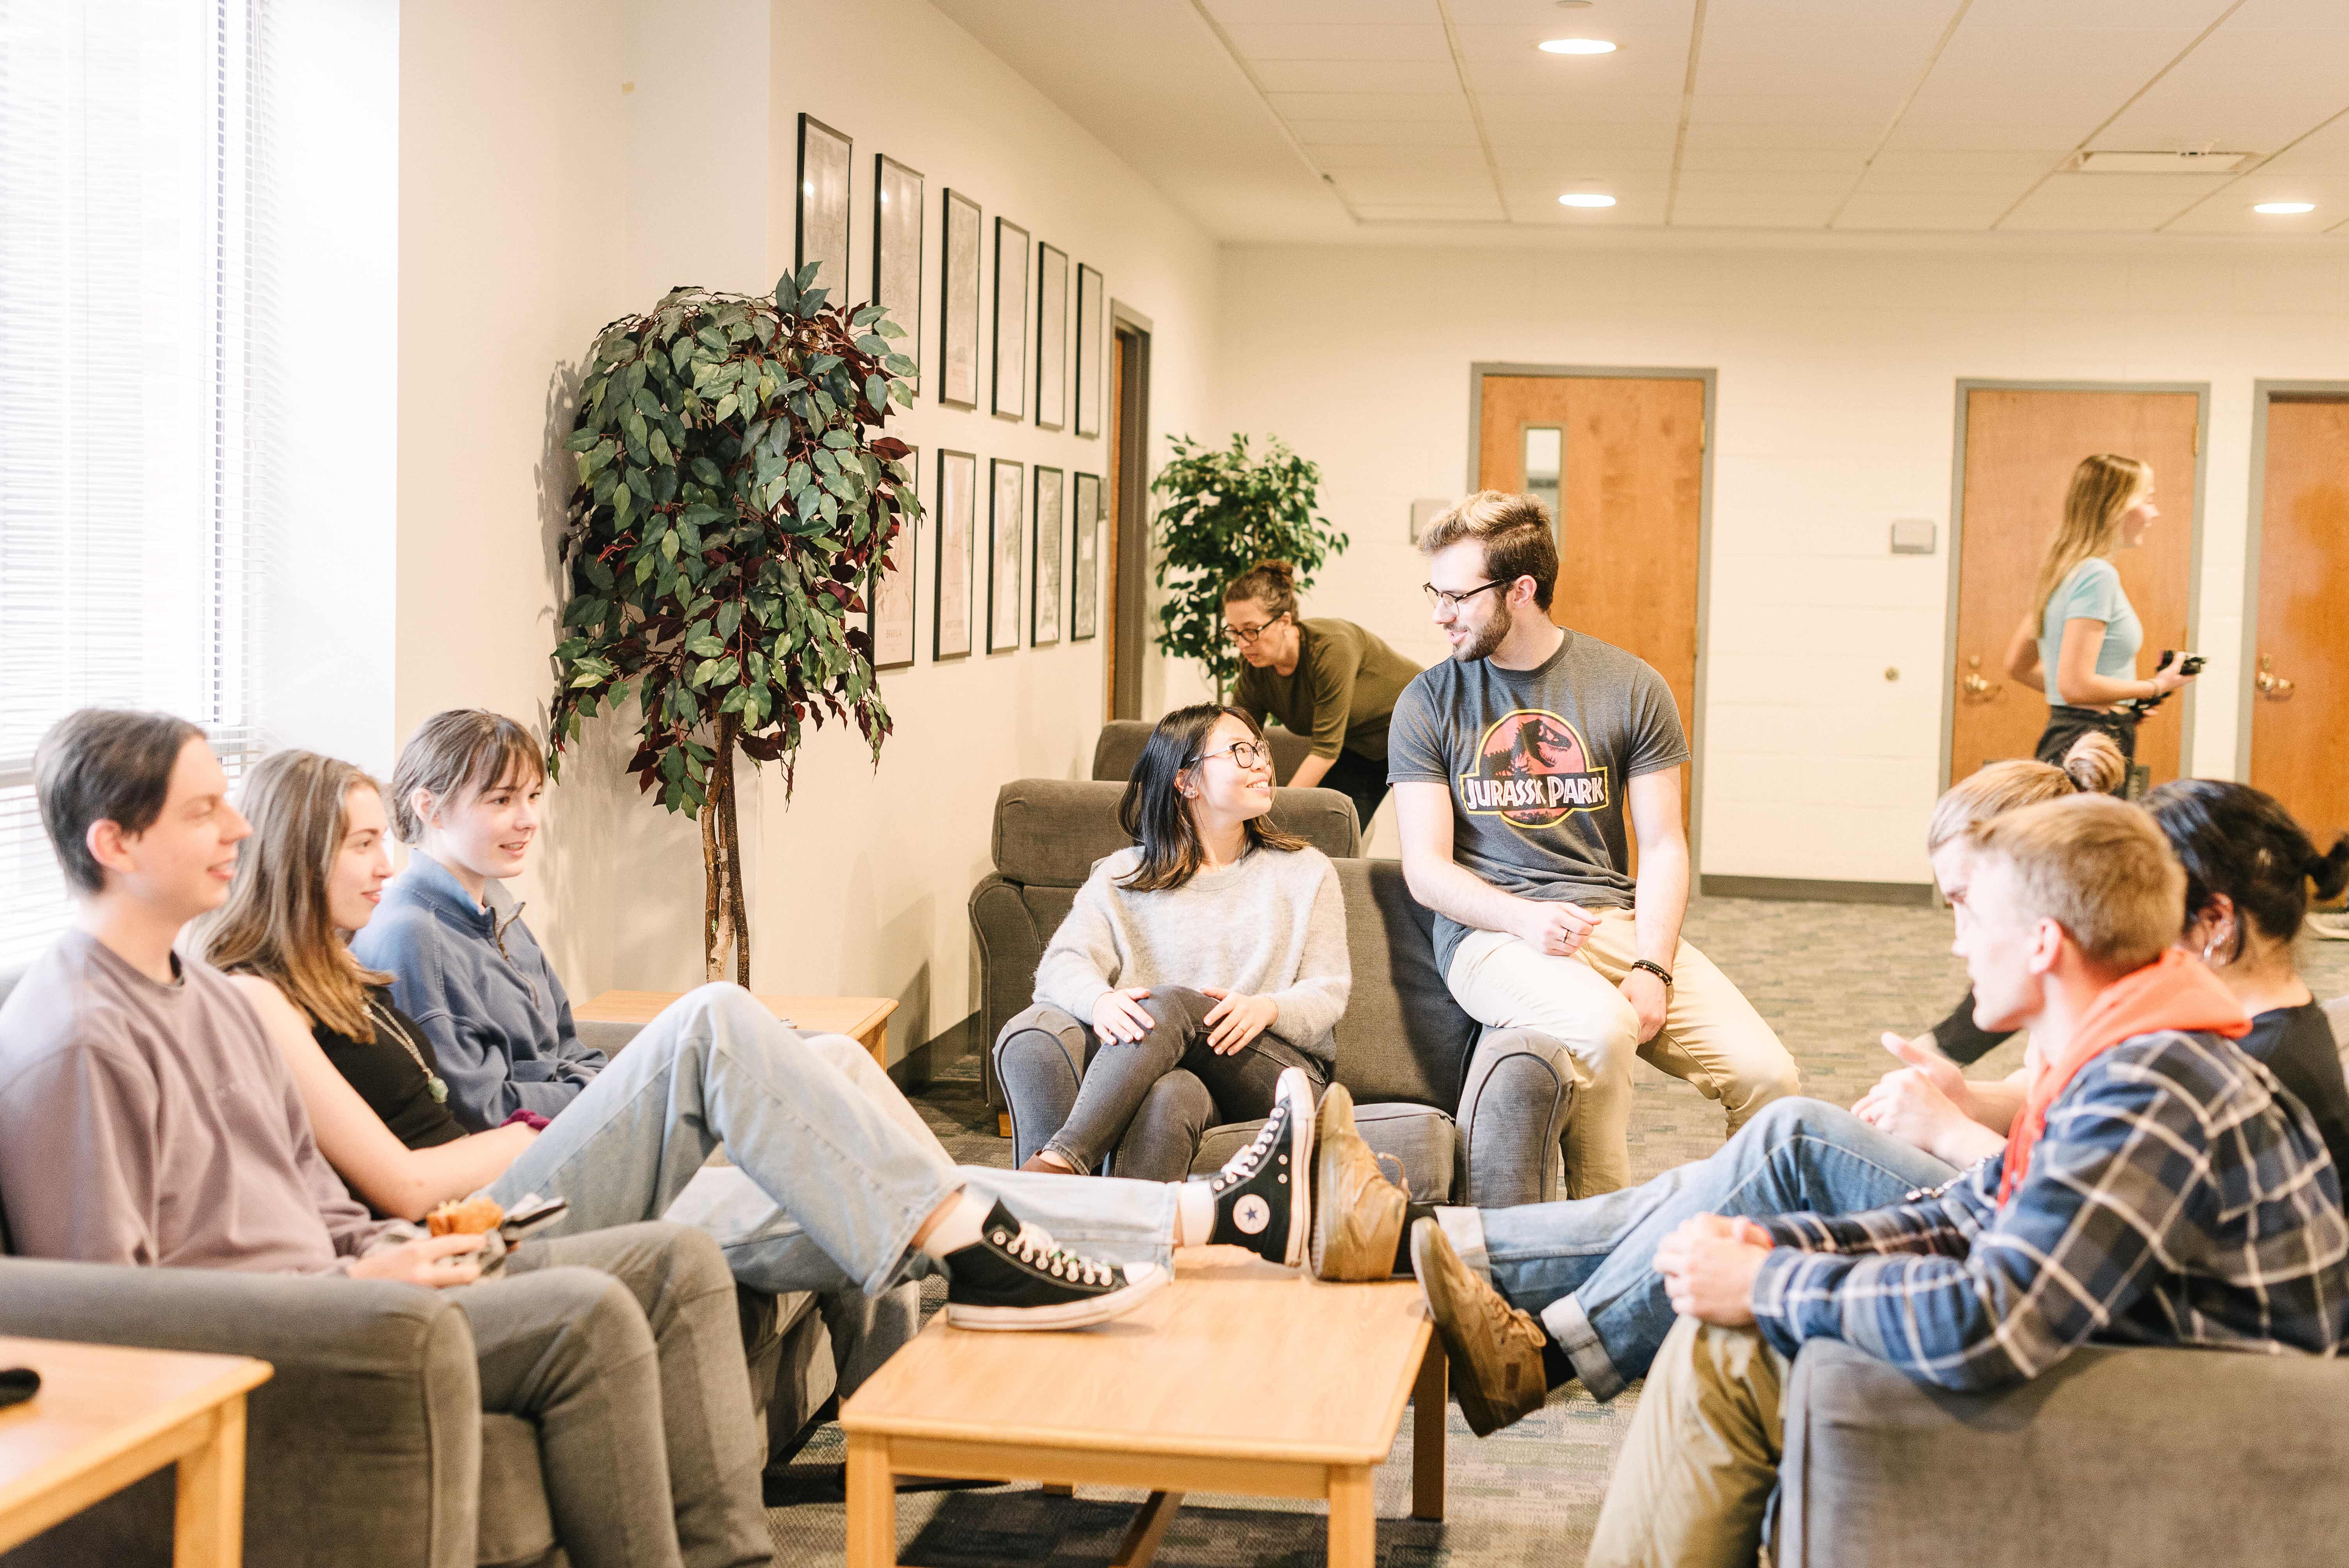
[[364, 1447], [1512, 1114], [1881, 1470], [1009, 948], [605, 1035]]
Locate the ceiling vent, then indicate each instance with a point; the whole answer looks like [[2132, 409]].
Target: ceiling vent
[[2201, 161]]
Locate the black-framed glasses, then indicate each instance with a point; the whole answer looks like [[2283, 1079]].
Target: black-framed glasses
[[1241, 636], [1243, 753], [1446, 600]]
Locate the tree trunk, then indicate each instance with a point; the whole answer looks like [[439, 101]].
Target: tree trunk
[[725, 922]]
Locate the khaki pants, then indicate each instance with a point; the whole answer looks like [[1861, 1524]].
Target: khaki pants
[[1696, 1471], [1712, 1034]]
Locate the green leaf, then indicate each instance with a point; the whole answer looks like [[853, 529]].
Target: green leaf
[[658, 444]]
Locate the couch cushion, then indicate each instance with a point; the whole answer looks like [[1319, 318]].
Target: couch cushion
[[1402, 1036], [1050, 832], [1119, 747]]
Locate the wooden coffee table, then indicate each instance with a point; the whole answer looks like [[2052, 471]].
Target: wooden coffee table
[[864, 1019], [107, 1416], [1238, 1377]]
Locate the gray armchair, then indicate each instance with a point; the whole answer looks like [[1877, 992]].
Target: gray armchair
[[1473, 1116], [1119, 747], [2116, 1456]]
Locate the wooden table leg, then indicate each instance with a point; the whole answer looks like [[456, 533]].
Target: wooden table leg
[[1140, 1543], [876, 1041], [209, 1529], [1002, 1124], [1427, 1401], [872, 1503], [1353, 1522], [1054, 1489]]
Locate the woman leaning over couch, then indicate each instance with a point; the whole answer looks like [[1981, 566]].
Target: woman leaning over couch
[[1205, 960]]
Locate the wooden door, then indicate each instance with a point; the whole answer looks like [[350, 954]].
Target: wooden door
[[2022, 446], [2298, 682], [1630, 492]]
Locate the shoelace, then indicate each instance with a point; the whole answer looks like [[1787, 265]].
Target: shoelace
[[1036, 1249], [1245, 1163]]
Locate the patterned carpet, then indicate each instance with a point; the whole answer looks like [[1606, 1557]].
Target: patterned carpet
[[1829, 978]]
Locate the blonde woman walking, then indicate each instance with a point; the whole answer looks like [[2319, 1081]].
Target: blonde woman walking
[[2079, 646]]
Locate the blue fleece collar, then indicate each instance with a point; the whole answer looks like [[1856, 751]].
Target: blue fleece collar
[[438, 889]]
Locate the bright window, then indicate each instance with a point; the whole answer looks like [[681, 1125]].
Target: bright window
[[130, 273]]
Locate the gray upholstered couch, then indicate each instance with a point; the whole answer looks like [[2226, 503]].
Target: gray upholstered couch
[[1119, 747], [1473, 1116], [369, 1445]]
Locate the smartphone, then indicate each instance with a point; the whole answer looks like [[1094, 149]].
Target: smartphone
[[532, 1213], [18, 1384]]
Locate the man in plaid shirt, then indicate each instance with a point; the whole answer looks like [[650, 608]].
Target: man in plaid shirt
[[2158, 1189]]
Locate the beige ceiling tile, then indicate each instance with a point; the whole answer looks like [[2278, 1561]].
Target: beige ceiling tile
[[1609, 171], [1249, 13], [1361, 185], [1759, 186], [1513, 139], [2316, 170], [1765, 50], [2115, 15], [1844, 164], [1710, 212], [1535, 109], [2108, 202], [1427, 212], [1668, 39], [1347, 42], [1357, 75], [1606, 76], [1462, 161], [1955, 161], [2250, 89], [1975, 131], [1448, 104], [1560, 23], [1848, 137], [2001, 188], [2091, 70], [1868, 110], [1384, 132], [1904, 214]]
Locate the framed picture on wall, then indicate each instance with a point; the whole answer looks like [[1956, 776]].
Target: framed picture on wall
[[1084, 574], [958, 305], [1003, 553], [897, 254], [890, 596], [823, 230], [954, 525], [1051, 337], [1090, 307], [1010, 319], [1051, 523]]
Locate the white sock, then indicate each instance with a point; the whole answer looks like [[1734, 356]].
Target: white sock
[[959, 1227], [1195, 1213]]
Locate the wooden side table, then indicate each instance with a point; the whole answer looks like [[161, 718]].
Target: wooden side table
[[864, 1019], [107, 1416]]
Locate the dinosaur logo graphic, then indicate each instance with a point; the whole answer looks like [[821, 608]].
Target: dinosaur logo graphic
[[1533, 771]]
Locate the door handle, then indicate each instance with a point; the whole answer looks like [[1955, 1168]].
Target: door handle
[[2271, 686], [1976, 688]]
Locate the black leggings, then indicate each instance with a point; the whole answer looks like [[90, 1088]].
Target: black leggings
[[2067, 724], [1151, 1099], [1360, 780]]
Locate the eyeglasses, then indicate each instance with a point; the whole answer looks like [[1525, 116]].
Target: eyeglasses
[[1241, 636], [1446, 600], [1244, 754]]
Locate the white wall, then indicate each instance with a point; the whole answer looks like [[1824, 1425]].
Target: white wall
[[561, 164], [1837, 372]]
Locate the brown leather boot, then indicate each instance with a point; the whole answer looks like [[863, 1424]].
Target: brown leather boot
[[1495, 1349], [1358, 1213]]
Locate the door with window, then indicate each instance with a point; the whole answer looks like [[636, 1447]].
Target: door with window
[[2298, 684], [2020, 447], [1619, 460]]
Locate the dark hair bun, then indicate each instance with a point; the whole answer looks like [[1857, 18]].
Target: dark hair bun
[[2330, 870]]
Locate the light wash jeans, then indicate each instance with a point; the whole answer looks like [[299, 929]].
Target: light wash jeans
[[1585, 1266], [832, 1170]]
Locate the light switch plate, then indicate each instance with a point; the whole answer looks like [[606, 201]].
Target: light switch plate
[[1913, 535], [1424, 513]]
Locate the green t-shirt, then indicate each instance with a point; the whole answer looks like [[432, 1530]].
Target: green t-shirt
[[1341, 693]]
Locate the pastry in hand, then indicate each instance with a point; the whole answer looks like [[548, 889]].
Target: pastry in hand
[[468, 1217]]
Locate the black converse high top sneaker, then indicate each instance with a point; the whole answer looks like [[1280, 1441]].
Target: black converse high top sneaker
[[1261, 1198], [1014, 1276]]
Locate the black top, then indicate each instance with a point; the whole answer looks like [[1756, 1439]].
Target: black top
[[388, 1078], [2296, 1044]]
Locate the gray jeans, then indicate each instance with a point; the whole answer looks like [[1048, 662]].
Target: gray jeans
[[623, 1348], [1152, 1099]]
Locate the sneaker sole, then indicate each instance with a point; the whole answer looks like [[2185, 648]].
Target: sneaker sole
[[1298, 1089], [1069, 1314], [1426, 1267]]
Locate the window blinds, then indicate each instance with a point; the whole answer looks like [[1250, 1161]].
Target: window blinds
[[127, 552]]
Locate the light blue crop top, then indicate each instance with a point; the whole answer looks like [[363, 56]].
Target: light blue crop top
[[2092, 591]]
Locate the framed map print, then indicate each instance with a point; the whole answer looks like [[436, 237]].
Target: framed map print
[[953, 519], [1003, 554], [1084, 575], [890, 596], [1051, 523]]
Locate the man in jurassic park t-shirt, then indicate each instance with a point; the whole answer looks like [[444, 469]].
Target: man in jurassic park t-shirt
[[1513, 764]]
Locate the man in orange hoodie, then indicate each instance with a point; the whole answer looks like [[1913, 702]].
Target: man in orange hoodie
[[2103, 1219]]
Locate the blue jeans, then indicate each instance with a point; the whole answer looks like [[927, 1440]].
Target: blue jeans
[[1585, 1266], [832, 1170]]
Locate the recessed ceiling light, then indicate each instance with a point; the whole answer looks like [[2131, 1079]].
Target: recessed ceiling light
[[1576, 47], [2285, 207], [1585, 199]]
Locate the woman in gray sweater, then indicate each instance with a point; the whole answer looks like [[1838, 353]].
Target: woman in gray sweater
[[1205, 960]]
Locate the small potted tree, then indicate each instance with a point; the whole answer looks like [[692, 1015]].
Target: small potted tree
[[1220, 512], [735, 496]]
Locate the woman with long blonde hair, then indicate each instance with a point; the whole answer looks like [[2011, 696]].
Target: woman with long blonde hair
[[2080, 643]]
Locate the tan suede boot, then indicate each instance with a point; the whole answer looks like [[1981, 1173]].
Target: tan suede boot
[[1495, 1349], [1358, 1213]]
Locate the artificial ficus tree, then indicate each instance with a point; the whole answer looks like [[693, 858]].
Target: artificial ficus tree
[[735, 494], [1220, 513]]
